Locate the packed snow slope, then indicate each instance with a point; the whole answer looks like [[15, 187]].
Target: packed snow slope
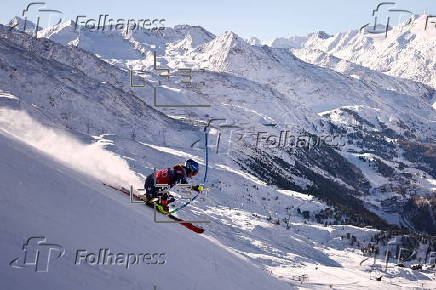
[[41, 197]]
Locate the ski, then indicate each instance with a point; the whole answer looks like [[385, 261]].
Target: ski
[[189, 226]]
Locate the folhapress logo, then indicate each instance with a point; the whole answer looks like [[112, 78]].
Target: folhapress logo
[[37, 254], [31, 11]]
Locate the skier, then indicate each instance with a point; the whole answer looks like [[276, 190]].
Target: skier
[[170, 177]]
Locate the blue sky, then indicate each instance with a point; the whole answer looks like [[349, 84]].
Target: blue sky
[[264, 19]]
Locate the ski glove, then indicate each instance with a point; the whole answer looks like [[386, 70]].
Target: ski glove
[[197, 187]]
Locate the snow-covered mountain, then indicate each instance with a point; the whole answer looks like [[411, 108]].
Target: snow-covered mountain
[[290, 42], [280, 208], [121, 44], [371, 77], [407, 51], [280, 42], [317, 88]]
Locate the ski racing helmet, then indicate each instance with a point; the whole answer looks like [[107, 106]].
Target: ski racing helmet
[[192, 166]]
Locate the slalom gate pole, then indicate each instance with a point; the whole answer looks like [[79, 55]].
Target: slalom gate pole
[[206, 132]]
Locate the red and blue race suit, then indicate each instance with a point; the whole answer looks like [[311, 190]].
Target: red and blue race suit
[[168, 176]]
